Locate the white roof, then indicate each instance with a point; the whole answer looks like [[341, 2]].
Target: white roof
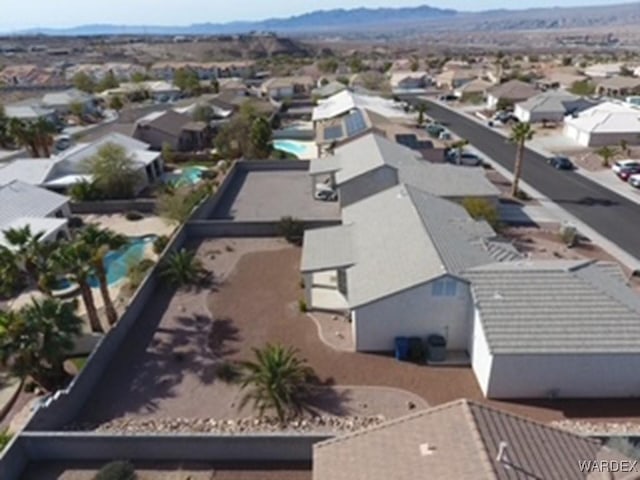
[[65, 98], [608, 117], [345, 101], [68, 180], [45, 225], [27, 112], [18, 199], [34, 171]]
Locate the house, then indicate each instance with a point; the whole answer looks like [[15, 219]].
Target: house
[[409, 80], [23, 205], [280, 88], [605, 124], [61, 102], [172, 128], [474, 88], [618, 86], [344, 102], [603, 70], [30, 111], [452, 79], [398, 254], [372, 163], [464, 440], [511, 92], [329, 89], [61, 172], [551, 106], [560, 79], [554, 329]]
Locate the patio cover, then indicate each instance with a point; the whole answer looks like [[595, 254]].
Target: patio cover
[[327, 249], [321, 166]]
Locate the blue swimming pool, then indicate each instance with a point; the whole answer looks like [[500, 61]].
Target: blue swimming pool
[[290, 146], [187, 176], [117, 262]]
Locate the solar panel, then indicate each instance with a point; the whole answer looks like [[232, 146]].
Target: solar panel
[[355, 123], [333, 133]]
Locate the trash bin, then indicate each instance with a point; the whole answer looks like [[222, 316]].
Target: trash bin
[[416, 349], [402, 348], [436, 348]]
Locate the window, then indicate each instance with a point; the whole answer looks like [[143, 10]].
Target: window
[[444, 287]]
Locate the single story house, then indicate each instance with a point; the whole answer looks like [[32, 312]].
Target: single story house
[[62, 171], [344, 102], [560, 79], [452, 79], [551, 106], [408, 80], [513, 91], [172, 128], [372, 163], [605, 124], [23, 205], [476, 87], [61, 102], [554, 329], [280, 88], [394, 266], [464, 440], [328, 89], [603, 70], [159, 91], [30, 112], [618, 86]]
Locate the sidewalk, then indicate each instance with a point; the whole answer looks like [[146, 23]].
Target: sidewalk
[[554, 210]]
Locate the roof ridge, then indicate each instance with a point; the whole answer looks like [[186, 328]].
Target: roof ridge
[[487, 462]]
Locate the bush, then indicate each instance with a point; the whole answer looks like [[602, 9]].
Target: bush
[[302, 306], [85, 192], [133, 215], [209, 174], [159, 244], [482, 209], [136, 272], [5, 438], [569, 236], [292, 230], [76, 222], [522, 195], [118, 470]]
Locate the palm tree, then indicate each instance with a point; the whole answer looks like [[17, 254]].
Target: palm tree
[[183, 268], [624, 148], [277, 380], [422, 108], [29, 250], [520, 134], [43, 131], [606, 154], [75, 259], [23, 136], [35, 340], [11, 277], [101, 242]]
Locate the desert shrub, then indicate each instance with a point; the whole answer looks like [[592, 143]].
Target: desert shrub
[[302, 306], [118, 470], [5, 438], [482, 209], [136, 272], [159, 244], [85, 192], [522, 195], [292, 230], [133, 215], [569, 236], [75, 222], [209, 174]]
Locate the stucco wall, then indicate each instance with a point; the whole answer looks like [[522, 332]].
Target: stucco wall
[[481, 359], [564, 376], [414, 312], [113, 206], [366, 185]]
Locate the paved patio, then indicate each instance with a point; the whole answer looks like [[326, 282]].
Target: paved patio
[[271, 195]]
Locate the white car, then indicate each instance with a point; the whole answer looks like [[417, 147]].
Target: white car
[[626, 168], [634, 180]]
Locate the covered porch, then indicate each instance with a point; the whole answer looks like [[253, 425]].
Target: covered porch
[[326, 256], [323, 171]]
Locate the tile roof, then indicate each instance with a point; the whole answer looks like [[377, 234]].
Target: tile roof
[[345, 101], [66, 97], [459, 441], [327, 248], [34, 171], [607, 117], [170, 122], [556, 101], [556, 307], [18, 199], [513, 89]]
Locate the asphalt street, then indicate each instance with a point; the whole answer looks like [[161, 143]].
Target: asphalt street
[[613, 216]]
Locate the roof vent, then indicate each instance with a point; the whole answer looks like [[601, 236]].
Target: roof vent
[[502, 456], [498, 296], [427, 450]]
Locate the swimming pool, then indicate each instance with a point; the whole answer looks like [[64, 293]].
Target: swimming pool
[[186, 176], [290, 146], [116, 262]]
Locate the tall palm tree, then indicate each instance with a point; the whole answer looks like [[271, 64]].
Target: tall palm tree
[[29, 250], [11, 277], [43, 131], [277, 380], [23, 135], [35, 340], [521, 133], [102, 241], [606, 154], [75, 259]]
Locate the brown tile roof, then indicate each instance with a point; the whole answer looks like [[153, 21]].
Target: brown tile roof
[[170, 122], [513, 89], [458, 441]]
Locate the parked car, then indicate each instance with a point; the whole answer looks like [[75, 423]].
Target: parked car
[[63, 142], [448, 98], [634, 180], [625, 168], [325, 193], [435, 129], [466, 159], [560, 163]]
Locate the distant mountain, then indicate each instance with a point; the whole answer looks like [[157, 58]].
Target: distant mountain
[[423, 17]]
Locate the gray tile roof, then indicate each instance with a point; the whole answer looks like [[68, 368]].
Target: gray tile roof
[[513, 90], [34, 171], [555, 101], [18, 199], [556, 307], [373, 151], [403, 237], [458, 441], [327, 248]]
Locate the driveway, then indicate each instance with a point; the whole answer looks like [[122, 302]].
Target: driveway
[[613, 216], [265, 195]]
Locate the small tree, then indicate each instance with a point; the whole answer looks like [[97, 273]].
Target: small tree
[[114, 172], [183, 269], [84, 82], [483, 209], [606, 154], [260, 138], [624, 148], [292, 230], [422, 108], [167, 152], [118, 470], [116, 103], [187, 81], [77, 110], [108, 82], [215, 85], [583, 88]]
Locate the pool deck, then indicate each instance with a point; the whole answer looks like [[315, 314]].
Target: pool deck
[[308, 150]]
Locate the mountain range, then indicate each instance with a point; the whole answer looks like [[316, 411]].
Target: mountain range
[[369, 19]]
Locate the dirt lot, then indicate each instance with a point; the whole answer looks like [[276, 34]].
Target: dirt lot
[[184, 471]]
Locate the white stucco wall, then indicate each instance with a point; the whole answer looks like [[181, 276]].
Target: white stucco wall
[[481, 359], [492, 102], [414, 312], [538, 116], [522, 114], [367, 184], [587, 139], [564, 376]]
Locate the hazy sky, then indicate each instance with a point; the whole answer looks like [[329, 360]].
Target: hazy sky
[[19, 14]]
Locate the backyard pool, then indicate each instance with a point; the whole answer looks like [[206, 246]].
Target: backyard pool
[[186, 176], [294, 147], [116, 262]]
